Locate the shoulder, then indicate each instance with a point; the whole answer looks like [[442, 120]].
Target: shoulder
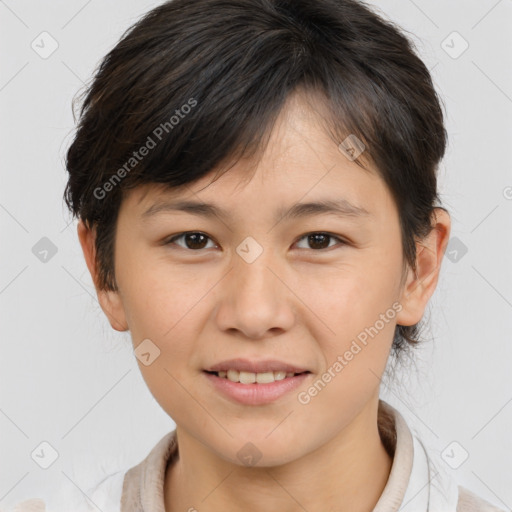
[[470, 502], [105, 495]]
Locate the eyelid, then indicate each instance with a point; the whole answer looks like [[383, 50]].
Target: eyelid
[[170, 240], [341, 240]]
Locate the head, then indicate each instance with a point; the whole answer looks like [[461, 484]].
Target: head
[[256, 107]]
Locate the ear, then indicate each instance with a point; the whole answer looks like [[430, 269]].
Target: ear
[[420, 285], [110, 301]]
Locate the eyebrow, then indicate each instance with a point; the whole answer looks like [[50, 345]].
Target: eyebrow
[[340, 207]]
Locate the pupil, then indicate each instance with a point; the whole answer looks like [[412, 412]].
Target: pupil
[[313, 239], [194, 237]]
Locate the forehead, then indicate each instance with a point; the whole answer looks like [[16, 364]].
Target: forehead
[[302, 161]]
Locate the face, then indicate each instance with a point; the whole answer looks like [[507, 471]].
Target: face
[[314, 289]]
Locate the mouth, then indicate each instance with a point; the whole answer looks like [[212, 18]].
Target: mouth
[[256, 389], [244, 377]]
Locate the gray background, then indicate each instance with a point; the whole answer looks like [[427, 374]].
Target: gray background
[[68, 379]]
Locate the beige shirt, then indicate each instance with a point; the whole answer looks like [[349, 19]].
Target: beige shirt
[[143, 484], [415, 483]]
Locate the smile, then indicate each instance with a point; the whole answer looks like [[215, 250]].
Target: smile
[[252, 378], [254, 388]]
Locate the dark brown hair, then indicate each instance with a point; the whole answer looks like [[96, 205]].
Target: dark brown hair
[[198, 82]]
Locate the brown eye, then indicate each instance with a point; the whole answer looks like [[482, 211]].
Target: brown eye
[[194, 240], [320, 241]]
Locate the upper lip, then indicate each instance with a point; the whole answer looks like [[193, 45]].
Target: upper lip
[[267, 365]]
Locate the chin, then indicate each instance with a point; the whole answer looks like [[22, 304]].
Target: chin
[[261, 452]]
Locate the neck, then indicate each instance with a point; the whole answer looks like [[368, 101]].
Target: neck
[[348, 473]]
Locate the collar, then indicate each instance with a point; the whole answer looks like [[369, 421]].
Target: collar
[[415, 483]]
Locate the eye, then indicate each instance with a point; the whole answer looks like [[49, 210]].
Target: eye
[[194, 240], [318, 240]]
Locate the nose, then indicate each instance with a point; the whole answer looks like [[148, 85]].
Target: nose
[[256, 299]]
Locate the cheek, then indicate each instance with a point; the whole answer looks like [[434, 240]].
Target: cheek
[[350, 299], [355, 356], [155, 296], [166, 316], [167, 307], [355, 306]]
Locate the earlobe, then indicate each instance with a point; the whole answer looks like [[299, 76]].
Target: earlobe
[[110, 301], [421, 284], [113, 308]]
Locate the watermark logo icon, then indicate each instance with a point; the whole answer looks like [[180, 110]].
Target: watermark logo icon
[[454, 45], [44, 250], [44, 45], [456, 249], [44, 455], [352, 147], [146, 352], [249, 249], [455, 455], [249, 455]]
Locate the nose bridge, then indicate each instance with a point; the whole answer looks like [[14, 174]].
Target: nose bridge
[[256, 299], [252, 273]]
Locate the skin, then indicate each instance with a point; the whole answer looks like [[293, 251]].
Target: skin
[[297, 302]]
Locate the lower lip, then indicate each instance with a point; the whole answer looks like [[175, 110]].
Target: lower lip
[[256, 394]]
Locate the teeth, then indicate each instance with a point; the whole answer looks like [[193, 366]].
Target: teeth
[[279, 375], [263, 378], [246, 377], [251, 378]]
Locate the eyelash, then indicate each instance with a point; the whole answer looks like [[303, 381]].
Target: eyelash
[[170, 241]]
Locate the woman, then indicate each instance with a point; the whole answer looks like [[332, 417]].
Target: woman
[[256, 187]]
